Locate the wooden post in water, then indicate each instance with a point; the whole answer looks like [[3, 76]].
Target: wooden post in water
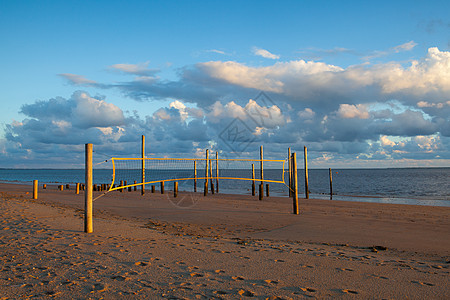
[[261, 186], [153, 189], [306, 173], [68, 186], [44, 186], [121, 184], [195, 176], [135, 187], [331, 184], [77, 188], [88, 226], [175, 189], [290, 172], [162, 187], [143, 165], [267, 190], [217, 172], [205, 192], [294, 183], [253, 181], [35, 189]]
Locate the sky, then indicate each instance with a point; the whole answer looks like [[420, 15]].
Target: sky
[[361, 84]]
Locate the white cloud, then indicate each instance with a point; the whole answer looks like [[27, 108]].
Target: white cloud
[[78, 79], [140, 69], [91, 112], [405, 47], [264, 53], [348, 111], [385, 141]]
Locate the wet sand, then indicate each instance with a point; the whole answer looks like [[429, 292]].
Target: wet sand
[[219, 246]]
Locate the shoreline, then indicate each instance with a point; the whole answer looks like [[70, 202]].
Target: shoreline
[[223, 247], [421, 201]]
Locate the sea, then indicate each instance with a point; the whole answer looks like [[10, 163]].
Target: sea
[[418, 186]]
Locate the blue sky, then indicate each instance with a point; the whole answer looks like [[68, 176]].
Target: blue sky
[[361, 84]]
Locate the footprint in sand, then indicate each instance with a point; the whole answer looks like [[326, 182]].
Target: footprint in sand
[[271, 281], [345, 269], [311, 290], [237, 278], [220, 292], [196, 275], [246, 293], [422, 283]]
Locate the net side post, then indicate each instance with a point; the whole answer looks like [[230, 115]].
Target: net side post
[[261, 186], [195, 176], [88, 226], [205, 192], [217, 172], [143, 165], [290, 172], [294, 183], [306, 172]]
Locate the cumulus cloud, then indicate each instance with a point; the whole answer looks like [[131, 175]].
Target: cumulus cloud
[[364, 111], [264, 53], [135, 69], [348, 111]]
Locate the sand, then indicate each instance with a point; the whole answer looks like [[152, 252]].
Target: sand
[[220, 246]]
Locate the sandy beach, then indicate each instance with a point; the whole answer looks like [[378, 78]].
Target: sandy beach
[[219, 246]]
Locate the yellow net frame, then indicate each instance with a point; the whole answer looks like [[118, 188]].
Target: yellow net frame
[[207, 162]]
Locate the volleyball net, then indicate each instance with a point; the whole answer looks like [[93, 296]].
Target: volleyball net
[[130, 172]]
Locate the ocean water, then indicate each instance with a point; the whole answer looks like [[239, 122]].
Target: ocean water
[[420, 186]]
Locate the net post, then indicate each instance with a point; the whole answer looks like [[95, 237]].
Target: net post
[[175, 189], [143, 165], [261, 186], [306, 172], [205, 192], [35, 189], [195, 176], [253, 180], [217, 172], [211, 176], [294, 183], [331, 184], [290, 172], [162, 187], [88, 226]]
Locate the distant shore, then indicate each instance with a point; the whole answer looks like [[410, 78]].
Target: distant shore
[[223, 246]]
